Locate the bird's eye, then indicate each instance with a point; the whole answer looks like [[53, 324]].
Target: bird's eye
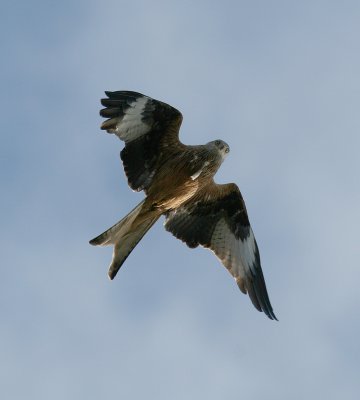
[[217, 142], [227, 150]]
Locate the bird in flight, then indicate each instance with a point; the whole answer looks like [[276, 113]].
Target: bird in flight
[[178, 181]]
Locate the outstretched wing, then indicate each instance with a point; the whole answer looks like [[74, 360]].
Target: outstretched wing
[[216, 218], [147, 126]]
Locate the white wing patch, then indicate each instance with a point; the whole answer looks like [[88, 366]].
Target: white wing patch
[[131, 126], [248, 251], [198, 173], [237, 255]]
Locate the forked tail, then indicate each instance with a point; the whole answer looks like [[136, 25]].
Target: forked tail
[[125, 235]]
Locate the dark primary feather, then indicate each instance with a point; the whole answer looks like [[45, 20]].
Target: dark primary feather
[[139, 158]]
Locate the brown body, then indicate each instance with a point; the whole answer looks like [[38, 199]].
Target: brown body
[[176, 181]]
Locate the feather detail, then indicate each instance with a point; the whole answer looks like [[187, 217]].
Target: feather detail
[[125, 235]]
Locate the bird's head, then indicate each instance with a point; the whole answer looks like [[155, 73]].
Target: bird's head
[[221, 146]]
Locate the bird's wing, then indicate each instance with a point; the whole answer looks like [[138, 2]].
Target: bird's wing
[[149, 128], [216, 218]]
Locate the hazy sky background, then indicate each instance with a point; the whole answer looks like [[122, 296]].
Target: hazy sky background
[[279, 81]]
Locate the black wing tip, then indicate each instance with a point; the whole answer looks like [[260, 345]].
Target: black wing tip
[[266, 307], [270, 314], [265, 304], [115, 105], [259, 297], [122, 93]]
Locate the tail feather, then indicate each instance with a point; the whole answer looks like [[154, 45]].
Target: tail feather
[[127, 243], [109, 237], [125, 235]]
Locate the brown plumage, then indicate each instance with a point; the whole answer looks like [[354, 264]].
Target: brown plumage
[[178, 183]]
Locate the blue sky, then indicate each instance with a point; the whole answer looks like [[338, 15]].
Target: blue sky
[[279, 81]]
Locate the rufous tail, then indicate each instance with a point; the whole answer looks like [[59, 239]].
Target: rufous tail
[[125, 235]]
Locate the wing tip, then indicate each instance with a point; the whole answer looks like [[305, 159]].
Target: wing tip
[[266, 308], [259, 300], [270, 314], [109, 125], [123, 94]]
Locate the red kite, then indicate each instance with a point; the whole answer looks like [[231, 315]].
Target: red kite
[[178, 183]]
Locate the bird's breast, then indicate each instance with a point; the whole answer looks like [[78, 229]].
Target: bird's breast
[[178, 179]]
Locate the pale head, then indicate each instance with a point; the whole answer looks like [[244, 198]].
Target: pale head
[[221, 146]]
